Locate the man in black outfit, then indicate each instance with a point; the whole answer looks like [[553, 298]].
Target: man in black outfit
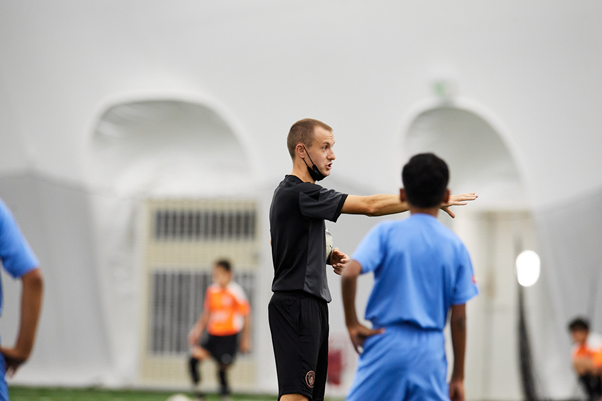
[[298, 311]]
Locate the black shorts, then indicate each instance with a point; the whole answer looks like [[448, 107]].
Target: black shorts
[[222, 348], [299, 327]]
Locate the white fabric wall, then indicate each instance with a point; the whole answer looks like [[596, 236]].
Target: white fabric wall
[[72, 344], [569, 236]]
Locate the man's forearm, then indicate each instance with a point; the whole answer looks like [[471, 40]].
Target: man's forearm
[[458, 334], [374, 205], [388, 204], [31, 304]]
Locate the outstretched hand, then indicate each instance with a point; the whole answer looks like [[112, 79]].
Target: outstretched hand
[[338, 260], [358, 334], [458, 200]]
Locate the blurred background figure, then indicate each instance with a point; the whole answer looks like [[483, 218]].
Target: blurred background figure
[[20, 262], [226, 314], [587, 357]]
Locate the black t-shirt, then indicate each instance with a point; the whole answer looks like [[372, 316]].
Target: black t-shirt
[[298, 240]]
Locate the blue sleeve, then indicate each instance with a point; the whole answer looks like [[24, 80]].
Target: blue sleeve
[[371, 251], [15, 253], [465, 286]]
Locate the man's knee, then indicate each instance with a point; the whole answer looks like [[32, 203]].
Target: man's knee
[[200, 353]]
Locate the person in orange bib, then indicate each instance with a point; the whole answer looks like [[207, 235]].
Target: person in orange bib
[[587, 357], [225, 315]]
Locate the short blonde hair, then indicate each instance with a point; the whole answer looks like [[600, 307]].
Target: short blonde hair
[[303, 132]]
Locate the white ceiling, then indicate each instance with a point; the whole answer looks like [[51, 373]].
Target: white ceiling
[[359, 66]]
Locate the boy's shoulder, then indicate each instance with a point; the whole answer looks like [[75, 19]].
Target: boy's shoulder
[[213, 287], [415, 220], [410, 225], [594, 341], [236, 290], [232, 289], [5, 214]]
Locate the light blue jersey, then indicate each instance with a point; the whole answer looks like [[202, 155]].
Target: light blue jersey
[[17, 259], [420, 269], [15, 253]]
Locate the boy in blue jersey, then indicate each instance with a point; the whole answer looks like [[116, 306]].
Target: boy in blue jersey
[[422, 270], [20, 262]]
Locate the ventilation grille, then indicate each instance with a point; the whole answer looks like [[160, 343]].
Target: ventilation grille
[[177, 301], [197, 225]]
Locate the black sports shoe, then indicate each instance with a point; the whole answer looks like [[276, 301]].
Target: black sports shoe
[[193, 367], [198, 396], [224, 391]]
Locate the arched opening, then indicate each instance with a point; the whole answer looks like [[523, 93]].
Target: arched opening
[[166, 148], [495, 228], [170, 192], [475, 152]]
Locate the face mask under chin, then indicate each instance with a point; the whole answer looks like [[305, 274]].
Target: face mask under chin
[[315, 174]]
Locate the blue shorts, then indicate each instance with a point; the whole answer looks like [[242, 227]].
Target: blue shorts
[[403, 363], [3, 385]]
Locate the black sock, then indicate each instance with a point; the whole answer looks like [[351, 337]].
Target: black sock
[[195, 373], [224, 390]]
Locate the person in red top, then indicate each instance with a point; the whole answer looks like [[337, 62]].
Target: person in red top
[[226, 313], [587, 357]]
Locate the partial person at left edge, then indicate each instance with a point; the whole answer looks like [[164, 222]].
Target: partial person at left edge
[[20, 262]]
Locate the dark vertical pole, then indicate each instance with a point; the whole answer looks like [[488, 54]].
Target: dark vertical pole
[[524, 348]]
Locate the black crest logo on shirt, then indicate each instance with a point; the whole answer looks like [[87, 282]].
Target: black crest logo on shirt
[[310, 378]]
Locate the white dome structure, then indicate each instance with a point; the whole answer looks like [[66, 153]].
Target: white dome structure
[[109, 108]]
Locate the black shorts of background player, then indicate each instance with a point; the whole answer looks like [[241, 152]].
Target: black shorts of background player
[[298, 312], [226, 317]]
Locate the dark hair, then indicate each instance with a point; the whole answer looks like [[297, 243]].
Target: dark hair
[[425, 179], [579, 323], [303, 132], [225, 263]]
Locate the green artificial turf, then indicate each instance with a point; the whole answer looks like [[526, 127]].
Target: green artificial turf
[[92, 394]]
